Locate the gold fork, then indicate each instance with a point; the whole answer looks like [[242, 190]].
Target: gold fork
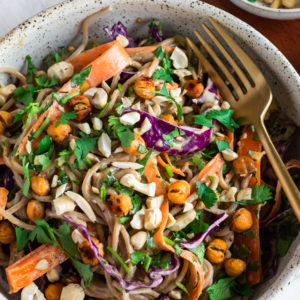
[[249, 98]]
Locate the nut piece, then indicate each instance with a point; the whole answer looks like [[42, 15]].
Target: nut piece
[[229, 195], [42, 265], [54, 274], [175, 294], [138, 240], [179, 58], [97, 96], [137, 221], [215, 251], [229, 155], [62, 71], [72, 291], [130, 118], [183, 220], [153, 217], [63, 204], [31, 292], [146, 188], [234, 266], [104, 144], [244, 194], [155, 202]]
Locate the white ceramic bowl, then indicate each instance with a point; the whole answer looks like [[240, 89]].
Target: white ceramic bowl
[[58, 26], [260, 9]]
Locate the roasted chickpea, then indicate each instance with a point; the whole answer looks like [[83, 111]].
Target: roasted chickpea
[[234, 266], [35, 210], [169, 118], [243, 165], [6, 119], [134, 145], [81, 105], [178, 192], [242, 220], [53, 291], [120, 204], [40, 185], [194, 88], [215, 251], [59, 132], [7, 232], [87, 253], [144, 87]]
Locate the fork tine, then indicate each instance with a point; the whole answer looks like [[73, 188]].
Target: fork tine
[[247, 62], [231, 61], [220, 64], [215, 77]]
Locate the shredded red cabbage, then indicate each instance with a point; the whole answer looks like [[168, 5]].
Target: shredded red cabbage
[[210, 94], [155, 274], [125, 75], [200, 238], [9, 181], [191, 139], [119, 28], [155, 31]]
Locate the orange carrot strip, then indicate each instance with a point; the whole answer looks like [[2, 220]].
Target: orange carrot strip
[[86, 57], [173, 168], [24, 272], [112, 61], [3, 198], [247, 142]]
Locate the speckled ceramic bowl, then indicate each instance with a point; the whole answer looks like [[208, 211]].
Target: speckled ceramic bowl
[[263, 10], [59, 26]]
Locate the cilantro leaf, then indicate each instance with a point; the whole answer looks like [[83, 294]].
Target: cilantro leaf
[[81, 76], [44, 81], [144, 161], [24, 96], [65, 117], [26, 184], [222, 145], [198, 161], [200, 252], [31, 69], [159, 53], [83, 146], [21, 238], [45, 144], [169, 138], [44, 160], [202, 120], [84, 270], [221, 289], [161, 260], [31, 109], [259, 195], [206, 195], [137, 257], [224, 116]]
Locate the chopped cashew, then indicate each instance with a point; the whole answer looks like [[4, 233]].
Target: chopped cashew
[[62, 71], [244, 194], [171, 221], [183, 220], [63, 204], [84, 127], [104, 144], [146, 126], [77, 236], [175, 294], [97, 96], [54, 274], [179, 58], [32, 292], [54, 181], [153, 217], [229, 155], [137, 221], [60, 190], [187, 207], [138, 240], [123, 40], [83, 204], [43, 264], [97, 123], [72, 291], [130, 118], [145, 188], [155, 202], [127, 165], [228, 195]]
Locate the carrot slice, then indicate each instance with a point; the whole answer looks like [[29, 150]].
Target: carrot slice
[[113, 60], [173, 168], [86, 57], [3, 198], [24, 271], [251, 241]]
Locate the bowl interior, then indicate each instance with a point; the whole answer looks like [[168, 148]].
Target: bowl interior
[[60, 25]]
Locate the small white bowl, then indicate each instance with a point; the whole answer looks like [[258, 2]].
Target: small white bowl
[[260, 9]]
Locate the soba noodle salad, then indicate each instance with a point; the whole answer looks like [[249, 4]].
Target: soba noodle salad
[[125, 176]]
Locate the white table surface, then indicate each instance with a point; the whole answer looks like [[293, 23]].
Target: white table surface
[[14, 12]]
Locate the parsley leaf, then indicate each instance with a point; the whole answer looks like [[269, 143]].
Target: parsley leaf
[[65, 117], [137, 257], [26, 184], [165, 72], [206, 195], [44, 81], [31, 69], [83, 146], [221, 289], [159, 53], [224, 116], [81, 76], [260, 195], [24, 96], [202, 120], [45, 144], [169, 138], [198, 161], [222, 145], [200, 252], [21, 238]]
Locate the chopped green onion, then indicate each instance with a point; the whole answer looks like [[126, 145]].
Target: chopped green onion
[[168, 241], [119, 258], [147, 262], [42, 127], [182, 287], [103, 192], [88, 161], [169, 171], [124, 220], [103, 110], [66, 99], [76, 181]]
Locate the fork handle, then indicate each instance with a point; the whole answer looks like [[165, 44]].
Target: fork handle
[[282, 173]]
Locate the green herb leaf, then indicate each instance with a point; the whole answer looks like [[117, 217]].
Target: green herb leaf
[[44, 161], [65, 117], [222, 289], [84, 270], [198, 161], [31, 109], [45, 144], [83, 146], [202, 120], [222, 145], [206, 195], [24, 96], [144, 161], [141, 149], [169, 138], [124, 220], [260, 195], [200, 252], [161, 260], [169, 171], [21, 238], [137, 257], [159, 53], [31, 69], [45, 82], [81, 76], [224, 116]]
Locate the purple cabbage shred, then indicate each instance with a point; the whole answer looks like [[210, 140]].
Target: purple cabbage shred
[[9, 181]]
